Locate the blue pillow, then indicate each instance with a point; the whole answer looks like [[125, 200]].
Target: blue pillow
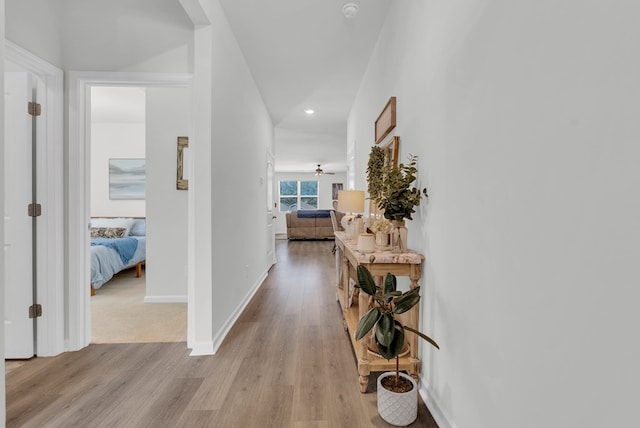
[[139, 227], [314, 213]]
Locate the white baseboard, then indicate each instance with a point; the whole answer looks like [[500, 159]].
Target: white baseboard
[[202, 348], [217, 340], [165, 299], [441, 418]]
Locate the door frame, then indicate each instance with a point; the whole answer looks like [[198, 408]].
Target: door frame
[[50, 187], [79, 211], [271, 217]]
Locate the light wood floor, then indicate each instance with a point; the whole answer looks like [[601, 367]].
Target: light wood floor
[[287, 362]]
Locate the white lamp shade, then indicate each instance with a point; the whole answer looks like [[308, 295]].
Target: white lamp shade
[[351, 201]]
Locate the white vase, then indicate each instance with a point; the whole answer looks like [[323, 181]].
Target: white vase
[[366, 243], [382, 239], [398, 408]]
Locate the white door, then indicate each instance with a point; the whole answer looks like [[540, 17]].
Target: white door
[[18, 225]]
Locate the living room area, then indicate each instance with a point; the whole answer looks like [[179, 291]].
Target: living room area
[[321, 191]]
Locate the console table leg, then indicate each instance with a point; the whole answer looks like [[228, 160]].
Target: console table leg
[[364, 382]]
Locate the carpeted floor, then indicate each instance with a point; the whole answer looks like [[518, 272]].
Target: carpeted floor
[[119, 314]]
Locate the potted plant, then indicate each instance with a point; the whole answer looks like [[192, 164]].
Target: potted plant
[[396, 391], [398, 198], [375, 173]]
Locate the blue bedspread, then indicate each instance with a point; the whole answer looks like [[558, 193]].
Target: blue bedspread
[[125, 247]]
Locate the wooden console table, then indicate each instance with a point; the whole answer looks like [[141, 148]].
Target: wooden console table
[[378, 263]]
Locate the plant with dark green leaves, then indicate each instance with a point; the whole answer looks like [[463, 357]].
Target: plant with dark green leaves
[[375, 171], [397, 197], [389, 302]]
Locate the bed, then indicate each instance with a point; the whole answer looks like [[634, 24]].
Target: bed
[[116, 244]]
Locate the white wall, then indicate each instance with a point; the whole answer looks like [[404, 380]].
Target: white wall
[[324, 192], [200, 306], [241, 134], [2, 385], [93, 35], [144, 35], [23, 16], [167, 119], [114, 141], [524, 115]]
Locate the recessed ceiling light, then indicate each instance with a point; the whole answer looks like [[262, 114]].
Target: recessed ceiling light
[[309, 111]]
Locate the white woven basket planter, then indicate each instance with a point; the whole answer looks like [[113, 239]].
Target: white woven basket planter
[[399, 409]]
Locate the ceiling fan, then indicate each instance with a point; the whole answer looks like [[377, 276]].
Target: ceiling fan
[[319, 171]]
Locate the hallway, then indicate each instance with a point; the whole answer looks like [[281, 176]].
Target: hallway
[[285, 363]]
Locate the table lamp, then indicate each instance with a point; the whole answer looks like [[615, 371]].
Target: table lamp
[[351, 202]]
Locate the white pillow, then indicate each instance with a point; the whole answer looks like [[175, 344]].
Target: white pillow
[[123, 223]]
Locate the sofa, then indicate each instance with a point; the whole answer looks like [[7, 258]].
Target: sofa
[[310, 224]]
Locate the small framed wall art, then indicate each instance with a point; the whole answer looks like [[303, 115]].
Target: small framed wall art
[[335, 188], [391, 147]]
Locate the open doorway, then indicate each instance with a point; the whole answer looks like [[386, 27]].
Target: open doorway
[[167, 105], [118, 203]]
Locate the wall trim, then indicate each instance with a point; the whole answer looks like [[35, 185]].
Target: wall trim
[[202, 348], [165, 299], [441, 418], [218, 338]]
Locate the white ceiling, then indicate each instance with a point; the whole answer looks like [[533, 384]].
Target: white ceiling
[[302, 54], [306, 54]]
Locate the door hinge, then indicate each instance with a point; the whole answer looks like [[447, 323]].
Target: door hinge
[[35, 109], [35, 311], [34, 210]]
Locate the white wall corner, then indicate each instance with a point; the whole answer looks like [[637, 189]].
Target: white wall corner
[[442, 419], [2, 374], [195, 11], [222, 333]]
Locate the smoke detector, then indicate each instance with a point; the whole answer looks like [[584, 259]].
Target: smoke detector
[[350, 10]]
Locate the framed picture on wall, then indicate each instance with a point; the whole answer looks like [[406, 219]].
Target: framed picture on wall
[[386, 121], [335, 187], [391, 147], [127, 178]]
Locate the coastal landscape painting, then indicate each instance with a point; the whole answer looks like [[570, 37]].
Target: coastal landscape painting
[[127, 178]]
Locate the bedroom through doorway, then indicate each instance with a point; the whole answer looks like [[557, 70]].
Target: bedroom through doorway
[[129, 159]]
